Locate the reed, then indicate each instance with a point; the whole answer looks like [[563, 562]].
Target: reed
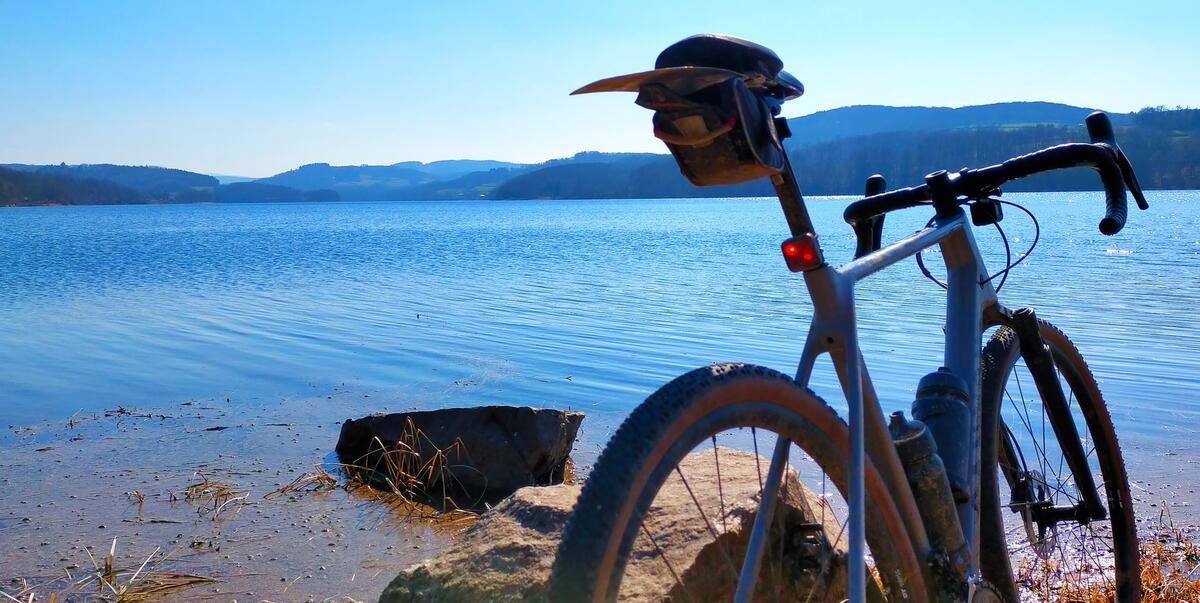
[[212, 496], [412, 479], [1170, 571], [108, 582]]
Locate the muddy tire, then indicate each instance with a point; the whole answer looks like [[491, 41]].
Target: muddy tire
[[683, 414], [1008, 390]]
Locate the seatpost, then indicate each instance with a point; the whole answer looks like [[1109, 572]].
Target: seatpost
[[792, 202]]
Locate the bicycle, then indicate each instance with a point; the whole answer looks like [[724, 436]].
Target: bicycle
[[925, 518]]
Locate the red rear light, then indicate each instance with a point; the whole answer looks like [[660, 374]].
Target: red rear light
[[802, 253]]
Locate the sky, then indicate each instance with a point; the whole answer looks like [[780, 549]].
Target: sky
[[253, 88]]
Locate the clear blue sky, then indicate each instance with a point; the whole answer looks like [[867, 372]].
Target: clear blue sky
[[253, 88]]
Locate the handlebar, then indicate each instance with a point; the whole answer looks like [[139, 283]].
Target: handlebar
[[1102, 154]]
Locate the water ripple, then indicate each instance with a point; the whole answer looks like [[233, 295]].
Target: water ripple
[[584, 304]]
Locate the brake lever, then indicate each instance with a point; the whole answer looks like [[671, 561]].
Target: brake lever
[[1131, 180], [1100, 130]]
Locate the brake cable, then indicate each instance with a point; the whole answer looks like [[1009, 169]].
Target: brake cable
[[1008, 263]]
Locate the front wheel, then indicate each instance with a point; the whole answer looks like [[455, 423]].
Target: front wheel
[[1025, 483], [665, 514]]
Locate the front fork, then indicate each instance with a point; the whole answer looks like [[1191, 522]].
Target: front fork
[[1040, 361]]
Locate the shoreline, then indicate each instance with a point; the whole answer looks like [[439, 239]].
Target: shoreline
[[140, 478], [848, 195], [144, 480]]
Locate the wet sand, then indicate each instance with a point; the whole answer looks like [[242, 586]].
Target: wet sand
[[86, 480], [73, 484]]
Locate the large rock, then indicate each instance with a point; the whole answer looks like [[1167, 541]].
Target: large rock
[[508, 553], [465, 452]]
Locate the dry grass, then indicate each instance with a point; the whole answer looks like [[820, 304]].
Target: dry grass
[[414, 468], [316, 481], [413, 480], [414, 464], [111, 584], [212, 496], [1170, 570]]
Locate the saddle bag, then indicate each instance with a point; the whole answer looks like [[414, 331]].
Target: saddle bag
[[720, 134]]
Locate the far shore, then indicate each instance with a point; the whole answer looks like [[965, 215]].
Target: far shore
[[848, 195]]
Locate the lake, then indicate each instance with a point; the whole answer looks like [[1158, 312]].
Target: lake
[[588, 305]]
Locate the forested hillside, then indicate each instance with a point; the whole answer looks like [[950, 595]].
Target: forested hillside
[[32, 188], [117, 184], [1164, 146], [833, 153], [864, 120]]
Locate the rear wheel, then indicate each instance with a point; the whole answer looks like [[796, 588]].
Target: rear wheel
[[1025, 483], [667, 510]]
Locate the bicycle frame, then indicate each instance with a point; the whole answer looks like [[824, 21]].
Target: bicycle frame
[[970, 299], [971, 307]]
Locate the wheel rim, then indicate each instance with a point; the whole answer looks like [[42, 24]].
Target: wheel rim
[[809, 453]]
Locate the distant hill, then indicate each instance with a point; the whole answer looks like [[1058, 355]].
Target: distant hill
[[454, 168], [352, 182], [385, 182], [118, 184], [158, 183], [257, 192], [227, 179], [833, 152], [475, 185], [452, 179], [862, 120], [1164, 146], [28, 187]]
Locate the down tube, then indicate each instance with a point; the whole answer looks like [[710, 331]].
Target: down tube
[[965, 297]]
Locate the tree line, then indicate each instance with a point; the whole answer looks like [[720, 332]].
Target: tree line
[[1163, 144]]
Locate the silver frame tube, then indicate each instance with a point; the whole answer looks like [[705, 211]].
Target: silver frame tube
[[834, 331]]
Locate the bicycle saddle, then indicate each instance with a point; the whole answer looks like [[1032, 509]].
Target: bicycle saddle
[[703, 60], [715, 99], [754, 62]]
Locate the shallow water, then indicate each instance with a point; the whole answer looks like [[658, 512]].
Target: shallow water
[[582, 304]]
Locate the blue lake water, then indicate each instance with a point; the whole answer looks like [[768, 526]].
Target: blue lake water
[[582, 304]]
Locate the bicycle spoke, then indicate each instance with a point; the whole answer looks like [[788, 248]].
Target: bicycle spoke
[[720, 490], [1062, 458], [1029, 423], [824, 562], [670, 568], [757, 458], [1026, 421], [1051, 553], [711, 529]]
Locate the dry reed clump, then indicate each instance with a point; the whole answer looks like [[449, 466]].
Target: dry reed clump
[[316, 481], [1170, 560], [111, 584], [414, 479], [219, 495]]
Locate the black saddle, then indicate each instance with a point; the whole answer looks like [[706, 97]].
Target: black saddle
[[715, 100], [759, 65]]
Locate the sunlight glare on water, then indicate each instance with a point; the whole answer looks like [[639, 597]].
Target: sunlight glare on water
[[582, 304]]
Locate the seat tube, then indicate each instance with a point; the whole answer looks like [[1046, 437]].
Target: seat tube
[[834, 323], [857, 502]]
